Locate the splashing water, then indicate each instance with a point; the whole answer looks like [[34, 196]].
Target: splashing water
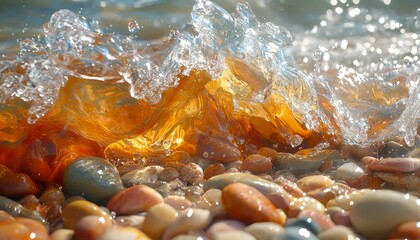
[[354, 76]]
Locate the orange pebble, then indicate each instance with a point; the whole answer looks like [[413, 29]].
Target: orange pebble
[[213, 170], [407, 230], [257, 164], [247, 204], [18, 184], [133, 200], [24, 229], [267, 152]]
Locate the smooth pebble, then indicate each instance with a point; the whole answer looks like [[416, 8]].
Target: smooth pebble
[[192, 219], [158, 218], [256, 164], [264, 230], [90, 228], [79, 209], [223, 226], [126, 233], [234, 234], [407, 230], [338, 233], [296, 233], [311, 183]]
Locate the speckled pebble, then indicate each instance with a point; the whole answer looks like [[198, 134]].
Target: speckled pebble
[[158, 218], [134, 200], [238, 196], [192, 173], [94, 178], [338, 233], [191, 219], [79, 209], [378, 213], [264, 230], [213, 170]]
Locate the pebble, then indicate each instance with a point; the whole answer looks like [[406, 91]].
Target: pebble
[[17, 210], [90, 228], [267, 152], [403, 180], [256, 164], [168, 174], [79, 209], [379, 212], [52, 195], [234, 234], [133, 200], [177, 156], [392, 149], [338, 233], [341, 218], [23, 228], [295, 233], [192, 219], [211, 200], [323, 195], [126, 233], [62, 234], [414, 153], [178, 202], [192, 236], [347, 172], [304, 203], [281, 201], [305, 222], [346, 201], [192, 173], [264, 186], [323, 220], [392, 164], [214, 170], [130, 221], [94, 178], [217, 150], [305, 162], [4, 216], [264, 230], [238, 196], [144, 176], [158, 218], [407, 230], [4, 171], [224, 226], [17, 185], [193, 193], [311, 183], [289, 186]]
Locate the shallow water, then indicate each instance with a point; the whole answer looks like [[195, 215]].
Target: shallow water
[[349, 69]]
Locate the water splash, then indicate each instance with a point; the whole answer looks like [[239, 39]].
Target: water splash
[[349, 76]]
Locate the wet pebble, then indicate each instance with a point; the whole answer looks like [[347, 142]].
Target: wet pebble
[[168, 174], [305, 222], [17, 210], [392, 164], [211, 200], [341, 218], [94, 178], [4, 171], [295, 233], [348, 171], [178, 202], [79, 209], [192, 173], [17, 185], [256, 164], [304, 203], [378, 213], [134, 200], [191, 219], [62, 234], [311, 183], [407, 181], [238, 196], [126, 233], [407, 230], [217, 150], [224, 226], [264, 230], [144, 176], [323, 220], [267, 152], [338, 233], [4, 216], [90, 228], [23, 228], [213, 170], [346, 201], [392, 149], [130, 221], [158, 218]]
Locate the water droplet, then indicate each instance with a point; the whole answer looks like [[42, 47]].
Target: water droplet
[[205, 154], [133, 26]]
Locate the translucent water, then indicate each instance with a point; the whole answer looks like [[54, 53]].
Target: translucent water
[[356, 72]]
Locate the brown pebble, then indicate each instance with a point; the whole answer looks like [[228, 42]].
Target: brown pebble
[[178, 202], [256, 164], [407, 230], [18, 184], [217, 150], [79, 209], [4, 171], [323, 195], [311, 183], [213, 170], [90, 228], [133, 200], [237, 197], [267, 152], [168, 174], [192, 173], [52, 194], [4, 216]]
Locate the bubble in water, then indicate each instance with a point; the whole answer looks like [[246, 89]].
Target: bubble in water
[[205, 154], [133, 26]]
